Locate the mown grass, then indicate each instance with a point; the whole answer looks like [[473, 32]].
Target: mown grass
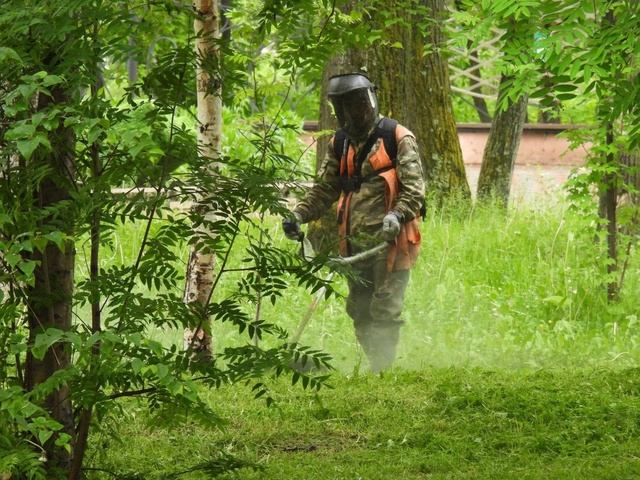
[[512, 364], [443, 423]]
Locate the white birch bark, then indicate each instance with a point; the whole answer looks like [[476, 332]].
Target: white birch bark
[[200, 270]]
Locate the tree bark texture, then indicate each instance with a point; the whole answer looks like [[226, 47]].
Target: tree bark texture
[[50, 298], [200, 270], [500, 152], [414, 89]]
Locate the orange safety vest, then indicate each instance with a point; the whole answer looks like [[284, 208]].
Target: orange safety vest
[[405, 248]]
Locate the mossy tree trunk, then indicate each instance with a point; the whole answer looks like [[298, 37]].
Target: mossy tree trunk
[[501, 150], [415, 89], [413, 80]]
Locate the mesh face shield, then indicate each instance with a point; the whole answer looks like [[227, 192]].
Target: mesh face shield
[[354, 102]]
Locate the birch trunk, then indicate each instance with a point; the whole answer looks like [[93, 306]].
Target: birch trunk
[[200, 270]]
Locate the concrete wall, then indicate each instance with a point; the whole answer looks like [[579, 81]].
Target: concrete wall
[[543, 164], [541, 144]]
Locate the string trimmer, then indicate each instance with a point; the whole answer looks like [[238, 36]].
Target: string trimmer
[[306, 251]]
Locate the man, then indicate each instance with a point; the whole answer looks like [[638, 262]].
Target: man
[[379, 198]]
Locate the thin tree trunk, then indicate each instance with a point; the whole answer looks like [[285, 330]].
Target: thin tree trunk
[[82, 432], [200, 270], [611, 203], [609, 196], [476, 87], [51, 295], [501, 151]]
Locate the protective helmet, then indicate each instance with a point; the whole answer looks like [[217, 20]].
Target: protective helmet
[[354, 102]]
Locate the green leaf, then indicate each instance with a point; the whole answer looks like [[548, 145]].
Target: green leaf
[[8, 53], [163, 370], [541, 92], [57, 237], [51, 80], [156, 347], [566, 96], [28, 267], [140, 146], [44, 435], [554, 300], [12, 259], [63, 441], [136, 365], [40, 243], [565, 88], [21, 130], [45, 340], [27, 147], [94, 134]]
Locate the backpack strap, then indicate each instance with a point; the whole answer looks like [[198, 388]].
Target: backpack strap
[[339, 140], [390, 139], [385, 129]]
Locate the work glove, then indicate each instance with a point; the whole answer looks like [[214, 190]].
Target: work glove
[[391, 225], [291, 226]]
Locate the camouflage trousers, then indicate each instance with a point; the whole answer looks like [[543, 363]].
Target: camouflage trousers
[[375, 304]]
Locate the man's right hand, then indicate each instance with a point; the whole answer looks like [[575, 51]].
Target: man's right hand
[[291, 226]]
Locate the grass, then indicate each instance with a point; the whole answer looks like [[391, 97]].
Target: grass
[[453, 423], [512, 364]]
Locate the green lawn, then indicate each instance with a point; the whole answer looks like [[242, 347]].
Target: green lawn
[[453, 423]]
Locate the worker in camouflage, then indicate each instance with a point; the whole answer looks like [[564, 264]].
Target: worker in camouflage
[[380, 200]]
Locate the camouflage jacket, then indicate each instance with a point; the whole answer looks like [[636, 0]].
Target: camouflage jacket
[[368, 205]]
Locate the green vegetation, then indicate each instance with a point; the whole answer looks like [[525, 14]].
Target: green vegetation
[[453, 423], [96, 96], [512, 364], [492, 290]]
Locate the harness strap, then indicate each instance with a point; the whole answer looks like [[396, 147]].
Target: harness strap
[[403, 252]]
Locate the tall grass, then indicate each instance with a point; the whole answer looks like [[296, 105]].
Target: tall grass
[[512, 364], [522, 289], [491, 289]]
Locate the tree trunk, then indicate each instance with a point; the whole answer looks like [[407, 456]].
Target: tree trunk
[[49, 299], [414, 89], [609, 200], [499, 158], [476, 87], [199, 279]]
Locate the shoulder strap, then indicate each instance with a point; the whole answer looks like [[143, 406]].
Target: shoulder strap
[[387, 130], [338, 143]]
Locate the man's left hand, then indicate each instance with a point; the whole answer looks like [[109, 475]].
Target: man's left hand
[[391, 225]]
